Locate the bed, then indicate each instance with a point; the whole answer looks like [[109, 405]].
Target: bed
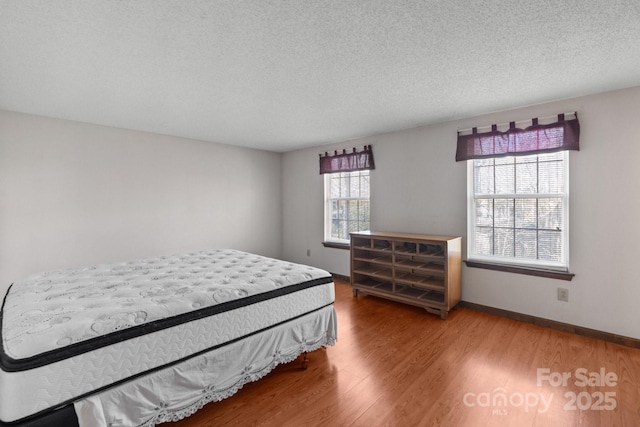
[[153, 340]]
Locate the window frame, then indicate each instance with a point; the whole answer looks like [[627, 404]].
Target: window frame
[[513, 264], [330, 241]]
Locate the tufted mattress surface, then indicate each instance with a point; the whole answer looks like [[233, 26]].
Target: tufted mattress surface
[[68, 333]]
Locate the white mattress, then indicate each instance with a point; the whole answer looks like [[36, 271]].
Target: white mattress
[[70, 333]]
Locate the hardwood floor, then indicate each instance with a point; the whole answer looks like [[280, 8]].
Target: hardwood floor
[[396, 365]]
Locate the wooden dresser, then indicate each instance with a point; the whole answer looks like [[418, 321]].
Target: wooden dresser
[[418, 269]]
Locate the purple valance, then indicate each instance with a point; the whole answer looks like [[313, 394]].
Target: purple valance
[[559, 136], [347, 162]]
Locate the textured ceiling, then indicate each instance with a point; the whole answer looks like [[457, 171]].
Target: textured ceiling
[[282, 75]]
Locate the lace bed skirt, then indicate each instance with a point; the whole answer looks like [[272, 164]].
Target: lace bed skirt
[[178, 391]]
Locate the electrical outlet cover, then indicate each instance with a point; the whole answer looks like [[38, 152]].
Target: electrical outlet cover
[[563, 294]]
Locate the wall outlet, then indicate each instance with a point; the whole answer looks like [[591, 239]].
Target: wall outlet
[[563, 294], [308, 252]]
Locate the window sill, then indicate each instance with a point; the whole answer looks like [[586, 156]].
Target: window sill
[[336, 245], [550, 274]]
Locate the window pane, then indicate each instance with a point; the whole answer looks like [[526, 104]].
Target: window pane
[[508, 160], [550, 245], [342, 209], [545, 157], [337, 229], [344, 186], [334, 209], [550, 214], [526, 213], [483, 162], [364, 185], [551, 176], [354, 186], [352, 226], [526, 244], [505, 179], [526, 159], [484, 240], [504, 216], [363, 212], [526, 178], [484, 180], [352, 213], [484, 212], [504, 244], [334, 189]]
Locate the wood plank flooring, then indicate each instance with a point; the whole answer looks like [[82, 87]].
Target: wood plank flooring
[[397, 365]]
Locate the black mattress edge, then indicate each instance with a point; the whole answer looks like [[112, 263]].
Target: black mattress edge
[[59, 417]]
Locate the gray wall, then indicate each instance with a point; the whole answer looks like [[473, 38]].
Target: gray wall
[[74, 194], [418, 187]]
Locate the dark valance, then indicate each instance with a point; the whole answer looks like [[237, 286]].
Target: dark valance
[[559, 136], [347, 162]]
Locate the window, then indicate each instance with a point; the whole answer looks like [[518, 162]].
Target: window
[[346, 193], [518, 210], [346, 204]]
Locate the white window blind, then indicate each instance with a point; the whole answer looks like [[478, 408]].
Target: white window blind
[[518, 210], [346, 204]]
